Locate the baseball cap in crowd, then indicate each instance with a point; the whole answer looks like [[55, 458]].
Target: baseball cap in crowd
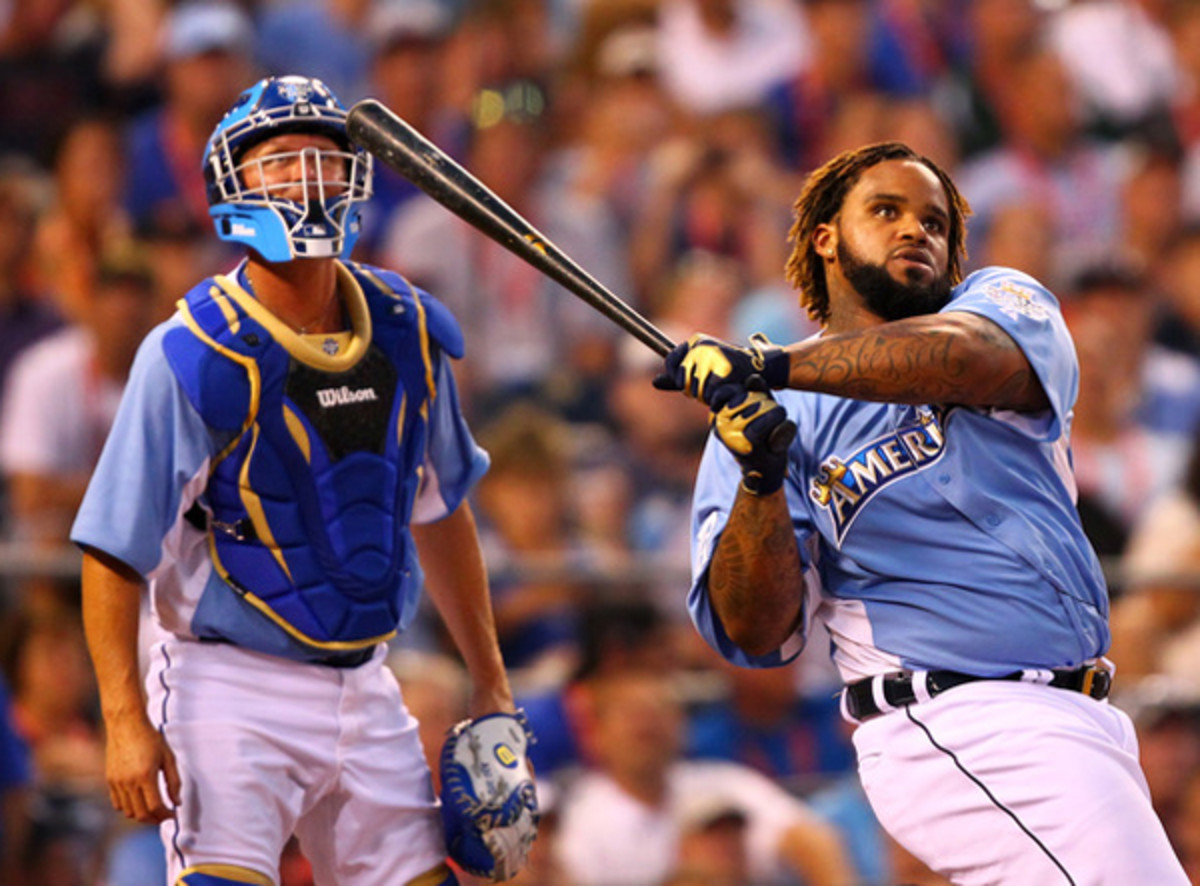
[[125, 265], [702, 811], [628, 51], [199, 26], [397, 22]]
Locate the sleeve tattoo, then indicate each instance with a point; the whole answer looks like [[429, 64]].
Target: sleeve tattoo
[[944, 358]]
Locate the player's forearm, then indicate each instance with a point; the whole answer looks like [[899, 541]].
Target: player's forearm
[[755, 579], [954, 358], [111, 606], [456, 581]]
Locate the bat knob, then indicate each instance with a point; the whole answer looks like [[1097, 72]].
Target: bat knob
[[781, 438]]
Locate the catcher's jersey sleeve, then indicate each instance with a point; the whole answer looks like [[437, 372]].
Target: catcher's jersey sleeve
[[453, 461], [156, 449]]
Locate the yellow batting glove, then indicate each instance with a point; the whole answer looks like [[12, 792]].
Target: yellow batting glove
[[703, 364], [757, 430]]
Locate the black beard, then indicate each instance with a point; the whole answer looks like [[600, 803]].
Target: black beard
[[887, 298]]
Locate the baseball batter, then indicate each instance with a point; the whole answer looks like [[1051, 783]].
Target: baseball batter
[[924, 514], [287, 443]]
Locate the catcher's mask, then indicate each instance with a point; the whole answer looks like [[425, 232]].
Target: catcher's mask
[[325, 222]]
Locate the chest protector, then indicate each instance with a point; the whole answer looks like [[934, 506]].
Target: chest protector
[[310, 501]]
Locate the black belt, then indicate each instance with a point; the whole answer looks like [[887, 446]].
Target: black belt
[[905, 687], [352, 659]]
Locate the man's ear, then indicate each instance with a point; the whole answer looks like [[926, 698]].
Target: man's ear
[[825, 241]]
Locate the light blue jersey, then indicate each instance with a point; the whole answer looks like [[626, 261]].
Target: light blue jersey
[[162, 458], [933, 537]]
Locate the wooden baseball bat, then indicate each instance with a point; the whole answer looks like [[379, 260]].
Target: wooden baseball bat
[[385, 135], [396, 143]]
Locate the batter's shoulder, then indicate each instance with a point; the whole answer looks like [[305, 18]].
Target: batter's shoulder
[[1010, 289], [999, 275]]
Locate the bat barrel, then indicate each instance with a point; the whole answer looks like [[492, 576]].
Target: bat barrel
[[399, 146]]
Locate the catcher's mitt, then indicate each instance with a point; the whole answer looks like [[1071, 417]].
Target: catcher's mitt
[[489, 804]]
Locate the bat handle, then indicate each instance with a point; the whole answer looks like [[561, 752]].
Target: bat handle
[[781, 438]]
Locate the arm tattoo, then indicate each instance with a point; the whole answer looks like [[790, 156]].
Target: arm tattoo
[[756, 580], [922, 360]]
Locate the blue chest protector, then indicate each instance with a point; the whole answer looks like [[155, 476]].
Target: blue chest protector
[[310, 500]]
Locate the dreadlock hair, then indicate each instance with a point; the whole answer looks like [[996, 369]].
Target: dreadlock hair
[[821, 200]]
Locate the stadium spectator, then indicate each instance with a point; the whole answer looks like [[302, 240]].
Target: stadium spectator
[[717, 190], [1131, 431], [720, 55], [407, 40], [16, 774], [1045, 160], [621, 821], [619, 633], [50, 75], [1179, 275], [325, 39], [26, 314], [1156, 622], [996, 34], [84, 219], [712, 845], [1119, 55], [838, 75], [1167, 717], [1184, 24], [1151, 207], [52, 695], [761, 720], [1187, 836], [526, 337], [206, 60], [52, 692], [524, 515], [661, 443], [62, 396]]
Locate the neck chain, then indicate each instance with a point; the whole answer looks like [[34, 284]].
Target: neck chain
[[307, 327]]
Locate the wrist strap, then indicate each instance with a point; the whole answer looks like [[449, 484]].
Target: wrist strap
[[756, 484]]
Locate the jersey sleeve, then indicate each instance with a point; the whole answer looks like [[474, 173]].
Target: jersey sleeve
[[157, 445], [1030, 314], [454, 462], [716, 488]]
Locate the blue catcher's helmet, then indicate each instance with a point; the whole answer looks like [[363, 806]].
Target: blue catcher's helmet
[[327, 222]]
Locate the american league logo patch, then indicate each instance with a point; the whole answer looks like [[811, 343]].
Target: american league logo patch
[[1015, 300]]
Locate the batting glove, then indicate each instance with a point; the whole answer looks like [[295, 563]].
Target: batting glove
[[757, 431], [703, 364]]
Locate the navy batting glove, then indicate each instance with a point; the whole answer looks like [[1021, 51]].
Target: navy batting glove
[[757, 431], [702, 364]]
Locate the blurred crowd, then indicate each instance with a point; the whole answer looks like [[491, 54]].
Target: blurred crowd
[[661, 144]]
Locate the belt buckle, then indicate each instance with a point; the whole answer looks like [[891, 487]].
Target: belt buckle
[[852, 707], [1096, 682]]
